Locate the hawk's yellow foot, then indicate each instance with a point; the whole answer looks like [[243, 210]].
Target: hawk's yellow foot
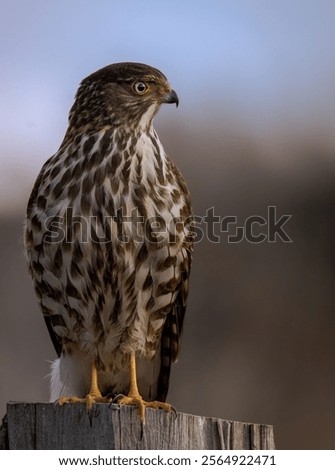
[[141, 404], [94, 395], [134, 398]]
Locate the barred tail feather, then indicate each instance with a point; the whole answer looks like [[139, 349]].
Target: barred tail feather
[[170, 345]]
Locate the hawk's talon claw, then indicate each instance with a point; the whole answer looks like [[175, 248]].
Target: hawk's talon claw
[[116, 398], [175, 412]]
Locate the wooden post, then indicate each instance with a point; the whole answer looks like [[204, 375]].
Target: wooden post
[[48, 426]]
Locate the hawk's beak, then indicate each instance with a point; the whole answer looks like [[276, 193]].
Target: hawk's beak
[[171, 97]]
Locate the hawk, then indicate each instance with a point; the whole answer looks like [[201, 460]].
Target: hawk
[[108, 238]]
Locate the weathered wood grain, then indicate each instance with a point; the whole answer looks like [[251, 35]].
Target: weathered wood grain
[[48, 426]]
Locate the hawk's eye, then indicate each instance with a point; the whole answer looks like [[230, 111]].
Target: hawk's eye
[[140, 88]]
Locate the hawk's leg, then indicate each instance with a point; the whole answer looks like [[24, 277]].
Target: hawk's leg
[[93, 396], [134, 397]]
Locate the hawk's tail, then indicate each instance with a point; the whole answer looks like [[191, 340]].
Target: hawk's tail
[[169, 352]]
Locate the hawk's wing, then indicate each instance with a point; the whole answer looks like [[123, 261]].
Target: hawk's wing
[[173, 327], [50, 320]]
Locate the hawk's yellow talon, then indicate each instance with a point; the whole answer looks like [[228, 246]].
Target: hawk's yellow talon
[[134, 398], [94, 395]]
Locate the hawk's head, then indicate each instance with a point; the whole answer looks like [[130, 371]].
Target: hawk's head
[[123, 94]]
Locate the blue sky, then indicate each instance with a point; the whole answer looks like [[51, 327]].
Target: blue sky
[[270, 64]]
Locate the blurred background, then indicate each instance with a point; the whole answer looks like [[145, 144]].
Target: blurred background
[[255, 128]]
